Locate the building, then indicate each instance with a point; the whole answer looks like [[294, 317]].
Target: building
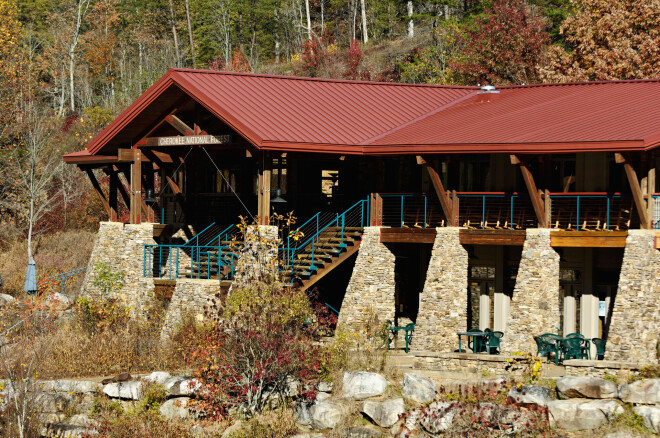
[[526, 209]]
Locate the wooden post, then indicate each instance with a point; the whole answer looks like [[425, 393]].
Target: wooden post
[[112, 196], [636, 189], [537, 202], [445, 203], [99, 192], [268, 165], [136, 187], [455, 207]]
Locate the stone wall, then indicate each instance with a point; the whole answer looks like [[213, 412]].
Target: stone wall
[[121, 247], [535, 301], [189, 299], [443, 302], [635, 324], [258, 256], [371, 288], [623, 371]]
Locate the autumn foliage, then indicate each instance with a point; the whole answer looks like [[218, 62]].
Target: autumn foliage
[[504, 47], [613, 39]]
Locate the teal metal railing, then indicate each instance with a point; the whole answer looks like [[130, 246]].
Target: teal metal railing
[[655, 199], [62, 278], [592, 211], [209, 253], [356, 216]]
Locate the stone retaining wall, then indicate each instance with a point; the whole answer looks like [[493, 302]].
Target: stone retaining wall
[[258, 256], [600, 368], [468, 363], [443, 302], [189, 298], [121, 247], [635, 325], [371, 288], [535, 302]]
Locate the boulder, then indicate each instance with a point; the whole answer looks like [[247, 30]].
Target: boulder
[[48, 402], [175, 408], [322, 396], [528, 395], [70, 386], [325, 415], [309, 435], [418, 388], [324, 387], [574, 415], [621, 435], [131, 390], [302, 414], [384, 413], [6, 299], [159, 377], [650, 416], [472, 386], [642, 391], [360, 432], [437, 417], [585, 387], [360, 385], [182, 386], [59, 300]]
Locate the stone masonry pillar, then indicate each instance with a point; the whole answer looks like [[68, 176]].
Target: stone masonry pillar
[[371, 289], [258, 256], [535, 301], [635, 324], [443, 302], [121, 247]]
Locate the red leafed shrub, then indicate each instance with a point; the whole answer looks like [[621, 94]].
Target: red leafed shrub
[[259, 348], [354, 57]]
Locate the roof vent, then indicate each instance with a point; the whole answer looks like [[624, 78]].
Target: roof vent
[[490, 89]]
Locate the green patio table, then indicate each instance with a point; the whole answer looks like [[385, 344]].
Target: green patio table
[[482, 336]]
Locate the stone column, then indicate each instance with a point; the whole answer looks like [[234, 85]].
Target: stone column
[[121, 247], [371, 289], [635, 323], [501, 300], [443, 302], [535, 302], [258, 256], [189, 299]]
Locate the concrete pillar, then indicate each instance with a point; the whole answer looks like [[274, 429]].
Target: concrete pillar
[[634, 330], [501, 300], [589, 317], [443, 302], [535, 301], [484, 310], [568, 323], [371, 289]]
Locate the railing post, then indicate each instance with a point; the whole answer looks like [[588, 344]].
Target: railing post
[[511, 217], [577, 214], [425, 207], [607, 223], [177, 262], [483, 212], [401, 221]]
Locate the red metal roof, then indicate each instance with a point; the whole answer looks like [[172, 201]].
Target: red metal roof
[[321, 115]]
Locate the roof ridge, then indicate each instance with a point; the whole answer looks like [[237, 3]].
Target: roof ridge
[[308, 79], [417, 119], [583, 83]]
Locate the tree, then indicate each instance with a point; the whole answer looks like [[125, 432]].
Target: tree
[[613, 39], [505, 46], [80, 10], [11, 64], [433, 65]]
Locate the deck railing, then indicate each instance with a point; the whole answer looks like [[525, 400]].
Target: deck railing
[[655, 199], [592, 211]]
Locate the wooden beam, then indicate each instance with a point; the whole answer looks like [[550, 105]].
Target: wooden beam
[[492, 237], [99, 192], [407, 235], [588, 239], [445, 203], [136, 187], [535, 196], [112, 196], [638, 197], [175, 188], [179, 125]]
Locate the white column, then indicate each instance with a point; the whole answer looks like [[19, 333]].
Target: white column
[[501, 301], [569, 312], [589, 302], [484, 310]]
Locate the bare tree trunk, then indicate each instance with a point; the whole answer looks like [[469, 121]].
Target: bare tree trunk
[[81, 11], [411, 25], [309, 21], [190, 35], [365, 35], [322, 17], [176, 39]]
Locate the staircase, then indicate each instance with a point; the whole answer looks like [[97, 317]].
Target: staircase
[[330, 241]]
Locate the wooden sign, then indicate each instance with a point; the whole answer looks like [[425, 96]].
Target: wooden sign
[[189, 140]]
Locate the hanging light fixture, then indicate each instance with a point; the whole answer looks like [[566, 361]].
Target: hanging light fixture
[[278, 199], [150, 197]]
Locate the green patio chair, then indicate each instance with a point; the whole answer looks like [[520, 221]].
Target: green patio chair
[[600, 347], [494, 342], [478, 343], [575, 348], [574, 335], [546, 344]]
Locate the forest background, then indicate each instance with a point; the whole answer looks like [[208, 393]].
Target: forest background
[[68, 67]]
